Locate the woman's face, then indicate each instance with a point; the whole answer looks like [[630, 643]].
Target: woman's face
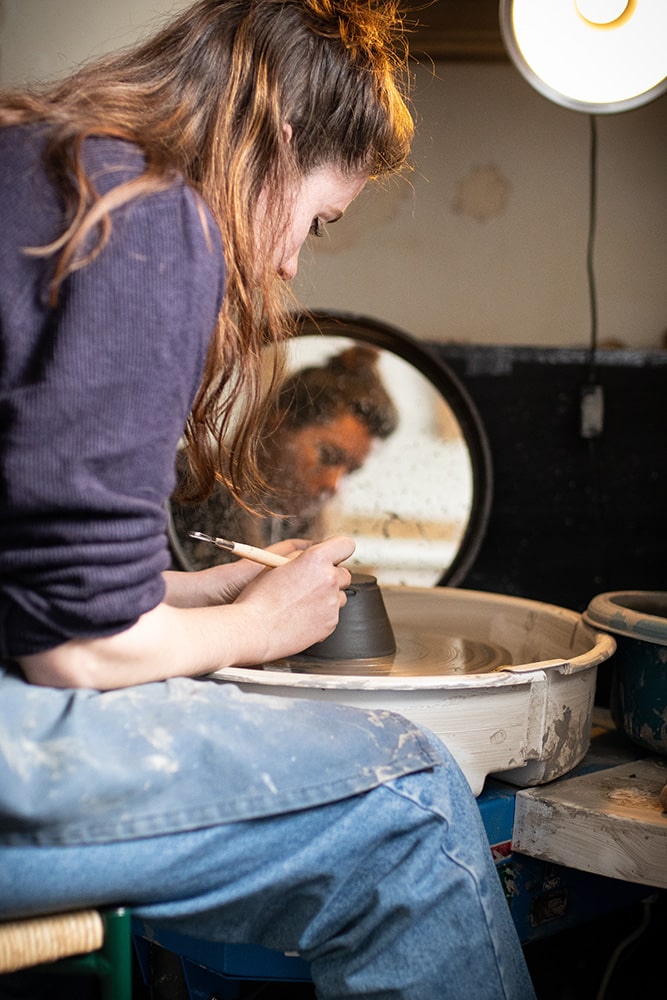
[[319, 200], [307, 464]]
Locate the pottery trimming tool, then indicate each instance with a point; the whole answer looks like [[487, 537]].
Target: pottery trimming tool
[[251, 552]]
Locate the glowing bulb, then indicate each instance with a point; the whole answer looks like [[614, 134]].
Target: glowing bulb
[[601, 11]]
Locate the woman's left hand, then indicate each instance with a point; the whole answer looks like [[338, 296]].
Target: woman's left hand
[[222, 584]]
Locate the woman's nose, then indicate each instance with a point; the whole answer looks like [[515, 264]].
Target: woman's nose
[[330, 480], [289, 268]]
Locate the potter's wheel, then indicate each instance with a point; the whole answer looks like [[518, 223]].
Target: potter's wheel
[[507, 683], [418, 653]]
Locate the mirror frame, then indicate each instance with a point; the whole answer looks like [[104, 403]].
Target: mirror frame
[[355, 326]]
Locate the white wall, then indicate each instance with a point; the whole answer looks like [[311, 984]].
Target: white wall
[[486, 241]]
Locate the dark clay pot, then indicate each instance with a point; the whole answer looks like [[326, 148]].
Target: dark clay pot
[[364, 631]]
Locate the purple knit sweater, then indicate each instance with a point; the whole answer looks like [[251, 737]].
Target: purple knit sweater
[[93, 397]]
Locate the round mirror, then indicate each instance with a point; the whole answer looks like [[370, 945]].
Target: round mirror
[[378, 440]]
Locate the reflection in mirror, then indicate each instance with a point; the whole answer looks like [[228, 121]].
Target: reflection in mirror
[[373, 438]]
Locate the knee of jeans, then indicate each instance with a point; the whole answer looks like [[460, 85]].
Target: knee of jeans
[[442, 791]]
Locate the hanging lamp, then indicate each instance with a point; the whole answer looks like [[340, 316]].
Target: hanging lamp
[[597, 56]]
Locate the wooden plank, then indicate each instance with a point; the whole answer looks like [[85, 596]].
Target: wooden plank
[[609, 822]]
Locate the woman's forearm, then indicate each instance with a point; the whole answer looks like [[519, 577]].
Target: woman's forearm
[[165, 642]]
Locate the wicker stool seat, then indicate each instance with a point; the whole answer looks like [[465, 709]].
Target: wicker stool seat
[[85, 941], [24, 943]]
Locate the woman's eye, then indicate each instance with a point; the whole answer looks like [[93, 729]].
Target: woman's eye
[[330, 456], [317, 227]]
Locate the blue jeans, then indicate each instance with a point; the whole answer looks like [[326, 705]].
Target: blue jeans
[[391, 894]]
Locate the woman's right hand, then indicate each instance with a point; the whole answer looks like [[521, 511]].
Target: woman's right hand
[[293, 606]]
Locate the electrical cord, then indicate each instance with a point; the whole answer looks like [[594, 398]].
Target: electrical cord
[[592, 398], [623, 945], [590, 249]]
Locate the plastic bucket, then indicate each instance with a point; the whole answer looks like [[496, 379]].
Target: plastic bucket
[[638, 698]]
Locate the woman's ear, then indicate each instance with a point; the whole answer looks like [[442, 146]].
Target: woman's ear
[[287, 131]]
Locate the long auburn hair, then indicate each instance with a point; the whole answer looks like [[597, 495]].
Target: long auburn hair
[[208, 97]]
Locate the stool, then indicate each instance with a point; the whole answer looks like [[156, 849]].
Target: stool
[[86, 941]]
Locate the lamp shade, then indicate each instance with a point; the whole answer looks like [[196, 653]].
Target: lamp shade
[[597, 56]]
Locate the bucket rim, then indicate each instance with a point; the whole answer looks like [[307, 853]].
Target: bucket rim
[[621, 612]]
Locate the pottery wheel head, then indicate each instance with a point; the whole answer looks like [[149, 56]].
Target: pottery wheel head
[[418, 654]]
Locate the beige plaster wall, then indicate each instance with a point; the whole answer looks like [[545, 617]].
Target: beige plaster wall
[[485, 241]]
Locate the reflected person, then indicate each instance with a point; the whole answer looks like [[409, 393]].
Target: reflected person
[[326, 421]]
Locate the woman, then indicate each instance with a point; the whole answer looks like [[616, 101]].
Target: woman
[[153, 205]]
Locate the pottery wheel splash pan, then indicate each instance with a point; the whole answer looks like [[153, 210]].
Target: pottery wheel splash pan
[[507, 683]]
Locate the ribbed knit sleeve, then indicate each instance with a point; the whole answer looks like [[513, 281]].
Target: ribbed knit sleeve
[[93, 398]]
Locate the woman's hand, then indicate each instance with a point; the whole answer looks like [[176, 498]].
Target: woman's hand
[[296, 605], [223, 583]]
